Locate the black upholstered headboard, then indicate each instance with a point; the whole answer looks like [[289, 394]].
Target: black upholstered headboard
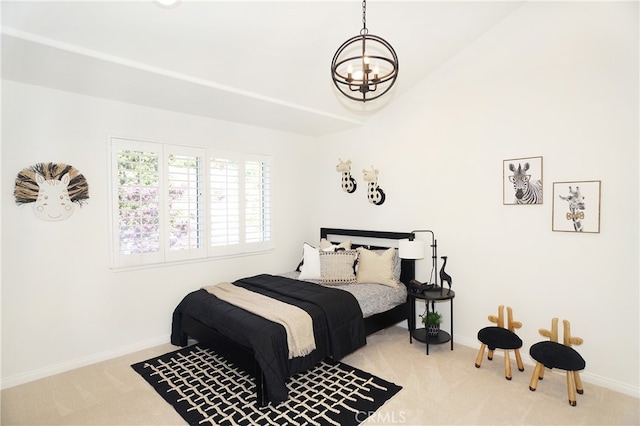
[[373, 240]]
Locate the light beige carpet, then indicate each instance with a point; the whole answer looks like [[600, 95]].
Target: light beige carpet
[[443, 388]]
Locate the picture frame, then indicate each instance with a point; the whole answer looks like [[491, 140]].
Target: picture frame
[[522, 181], [576, 206]]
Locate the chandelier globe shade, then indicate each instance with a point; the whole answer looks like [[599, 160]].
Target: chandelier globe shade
[[364, 67]]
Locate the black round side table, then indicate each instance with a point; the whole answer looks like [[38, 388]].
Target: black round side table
[[437, 294]]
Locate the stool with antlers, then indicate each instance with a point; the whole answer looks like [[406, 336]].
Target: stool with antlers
[[501, 338], [551, 354]]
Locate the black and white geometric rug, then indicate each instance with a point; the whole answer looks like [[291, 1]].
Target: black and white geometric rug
[[206, 389]]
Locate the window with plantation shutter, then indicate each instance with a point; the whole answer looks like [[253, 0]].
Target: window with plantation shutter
[[165, 209], [185, 207], [225, 202], [240, 204], [258, 201], [137, 187]]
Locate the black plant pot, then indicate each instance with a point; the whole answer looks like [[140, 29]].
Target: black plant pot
[[433, 330]]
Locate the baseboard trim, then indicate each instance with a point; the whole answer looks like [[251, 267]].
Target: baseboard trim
[[587, 377], [19, 379], [31, 376]]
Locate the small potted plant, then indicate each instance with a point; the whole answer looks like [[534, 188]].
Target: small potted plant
[[432, 323]]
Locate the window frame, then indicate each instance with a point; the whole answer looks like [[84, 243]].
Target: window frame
[[205, 251]]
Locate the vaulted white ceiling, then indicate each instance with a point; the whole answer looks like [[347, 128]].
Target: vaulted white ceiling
[[262, 63]]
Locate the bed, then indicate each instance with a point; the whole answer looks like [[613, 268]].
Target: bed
[[344, 312]]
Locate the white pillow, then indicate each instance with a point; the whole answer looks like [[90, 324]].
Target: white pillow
[[324, 244], [376, 268], [310, 269]]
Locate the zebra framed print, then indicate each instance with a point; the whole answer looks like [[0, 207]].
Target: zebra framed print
[[522, 181], [576, 206]]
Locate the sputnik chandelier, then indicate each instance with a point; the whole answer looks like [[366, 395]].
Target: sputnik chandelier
[[365, 67]]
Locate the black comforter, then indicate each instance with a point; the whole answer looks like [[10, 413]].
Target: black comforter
[[337, 322]]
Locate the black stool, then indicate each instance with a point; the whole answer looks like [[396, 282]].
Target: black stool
[[501, 338], [552, 354]]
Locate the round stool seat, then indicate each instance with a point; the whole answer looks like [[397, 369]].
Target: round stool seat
[[498, 337], [556, 355]]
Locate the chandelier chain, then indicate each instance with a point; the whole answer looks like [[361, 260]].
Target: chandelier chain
[[364, 30]]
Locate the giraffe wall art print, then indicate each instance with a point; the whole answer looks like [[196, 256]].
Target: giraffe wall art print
[[576, 206]]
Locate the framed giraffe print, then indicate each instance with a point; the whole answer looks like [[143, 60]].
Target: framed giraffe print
[[576, 206], [522, 181]]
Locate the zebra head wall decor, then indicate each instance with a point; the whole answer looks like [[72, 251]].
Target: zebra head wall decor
[[526, 188], [53, 188], [375, 194], [348, 182]]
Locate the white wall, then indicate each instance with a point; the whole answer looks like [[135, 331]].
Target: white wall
[[558, 80], [62, 305]]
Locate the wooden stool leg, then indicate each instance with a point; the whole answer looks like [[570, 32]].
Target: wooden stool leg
[[578, 381], [534, 377], [507, 365], [490, 355], [541, 373], [480, 355], [519, 360], [571, 388]]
